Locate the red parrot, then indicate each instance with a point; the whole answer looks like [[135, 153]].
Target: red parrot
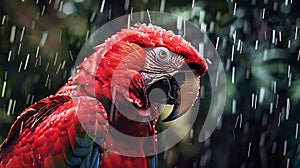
[[111, 88]]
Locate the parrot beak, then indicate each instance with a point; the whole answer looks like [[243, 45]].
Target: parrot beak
[[187, 95]]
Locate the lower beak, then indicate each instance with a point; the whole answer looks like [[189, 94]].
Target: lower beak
[[187, 95]]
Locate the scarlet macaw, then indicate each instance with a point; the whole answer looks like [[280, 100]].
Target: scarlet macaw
[[64, 130]]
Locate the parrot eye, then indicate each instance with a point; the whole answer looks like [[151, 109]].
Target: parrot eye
[[162, 54]]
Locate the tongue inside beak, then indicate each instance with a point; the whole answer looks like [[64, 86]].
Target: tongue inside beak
[[187, 95]]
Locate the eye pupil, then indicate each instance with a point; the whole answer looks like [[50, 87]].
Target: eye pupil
[[162, 54]]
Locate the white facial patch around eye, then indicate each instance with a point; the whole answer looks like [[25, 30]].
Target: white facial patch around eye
[[162, 53]]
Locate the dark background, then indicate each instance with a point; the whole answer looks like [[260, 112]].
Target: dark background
[[268, 71]]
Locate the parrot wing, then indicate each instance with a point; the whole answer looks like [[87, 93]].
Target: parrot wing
[[53, 133]]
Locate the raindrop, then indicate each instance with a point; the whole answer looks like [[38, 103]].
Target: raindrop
[[217, 79], [217, 42], [28, 97], [233, 106], [289, 44], [233, 74], [3, 88], [14, 105], [202, 16], [43, 39], [273, 36], [149, 17], [22, 34], [47, 66], [32, 99], [92, 18], [5, 75], [263, 13], [63, 64], [227, 64], [279, 34], [59, 66], [46, 83], [288, 163], [60, 36], [296, 33], [128, 21], [236, 121], [261, 95], [249, 149], [191, 133], [274, 87], [277, 99], [9, 106], [102, 6], [19, 70], [55, 58], [284, 147], [252, 100], [279, 119], [287, 108], [271, 108], [12, 34], [211, 26], [233, 33], [234, 8], [43, 10], [265, 54], [87, 35], [296, 133], [201, 48], [232, 52], [26, 62], [37, 51], [193, 3], [9, 55], [208, 61], [224, 42], [60, 6], [290, 80], [21, 128], [241, 120], [256, 44], [71, 55], [239, 45], [255, 101], [19, 49], [3, 19]]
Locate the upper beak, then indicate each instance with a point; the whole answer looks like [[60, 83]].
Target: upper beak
[[187, 95]]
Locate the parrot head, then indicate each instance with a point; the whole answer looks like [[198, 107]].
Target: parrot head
[[143, 66]]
